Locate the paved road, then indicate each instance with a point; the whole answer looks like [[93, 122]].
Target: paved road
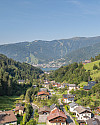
[[70, 120]]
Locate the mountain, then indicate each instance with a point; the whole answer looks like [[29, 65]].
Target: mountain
[[12, 71], [83, 53], [39, 51]]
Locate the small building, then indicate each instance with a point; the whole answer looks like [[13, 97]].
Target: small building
[[44, 110], [19, 110], [43, 95], [7, 118], [56, 117], [86, 61], [82, 113], [43, 89], [93, 121], [72, 106], [68, 98], [21, 81]]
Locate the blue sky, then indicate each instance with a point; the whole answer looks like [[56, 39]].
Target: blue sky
[[28, 20]]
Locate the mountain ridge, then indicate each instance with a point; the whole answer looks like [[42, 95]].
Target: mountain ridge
[[39, 51]]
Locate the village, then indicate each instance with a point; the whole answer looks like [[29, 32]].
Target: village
[[61, 110]]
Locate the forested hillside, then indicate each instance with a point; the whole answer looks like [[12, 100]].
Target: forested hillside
[[44, 51], [11, 71], [83, 53], [73, 73]]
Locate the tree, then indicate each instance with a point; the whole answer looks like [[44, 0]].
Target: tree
[[95, 67], [31, 122]]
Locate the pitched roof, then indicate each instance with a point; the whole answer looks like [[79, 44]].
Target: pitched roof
[[19, 108], [43, 93], [45, 108], [56, 113], [71, 85], [73, 104], [68, 96], [81, 109], [7, 116], [94, 121]]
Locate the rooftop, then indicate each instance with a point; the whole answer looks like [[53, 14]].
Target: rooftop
[[56, 113], [7, 116]]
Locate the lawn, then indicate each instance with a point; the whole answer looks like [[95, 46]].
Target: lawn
[[89, 66], [7, 102], [83, 84], [93, 73]]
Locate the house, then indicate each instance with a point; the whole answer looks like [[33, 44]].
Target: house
[[7, 118], [72, 106], [82, 114], [43, 89], [93, 121], [68, 98], [19, 110], [43, 95], [71, 86], [56, 117], [21, 81], [86, 61], [97, 110], [89, 86], [44, 110]]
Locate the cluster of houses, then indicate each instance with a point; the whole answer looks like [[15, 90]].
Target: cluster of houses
[[9, 117], [84, 115], [53, 115], [89, 86]]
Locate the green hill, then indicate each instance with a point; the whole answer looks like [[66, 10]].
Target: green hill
[[95, 74], [12, 71]]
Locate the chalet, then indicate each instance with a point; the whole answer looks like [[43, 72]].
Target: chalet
[[43, 89], [71, 86], [19, 110], [86, 61], [43, 95], [44, 110], [56, 117], [93, 121], [97, 111], [7, 118], [82, 114], [21, 81], [68, 98], [72, 106], [58, 85], [89, 86]]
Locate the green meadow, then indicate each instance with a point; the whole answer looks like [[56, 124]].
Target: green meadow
[[8, 102]]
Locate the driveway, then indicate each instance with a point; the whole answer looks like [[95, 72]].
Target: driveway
[[42, 118]]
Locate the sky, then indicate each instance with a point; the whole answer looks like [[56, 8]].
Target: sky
[[29, 20]]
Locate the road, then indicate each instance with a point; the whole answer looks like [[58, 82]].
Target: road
[[70, 120]]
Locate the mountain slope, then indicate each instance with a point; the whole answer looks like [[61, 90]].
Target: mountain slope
[[83, 53], [44, 51], [11, 71]]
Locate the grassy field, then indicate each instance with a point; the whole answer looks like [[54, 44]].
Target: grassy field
[[8, 102], [83, 84], [93, 73], [89, 66]]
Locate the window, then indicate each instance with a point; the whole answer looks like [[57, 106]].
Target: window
[[63, 119], [63, 123]]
